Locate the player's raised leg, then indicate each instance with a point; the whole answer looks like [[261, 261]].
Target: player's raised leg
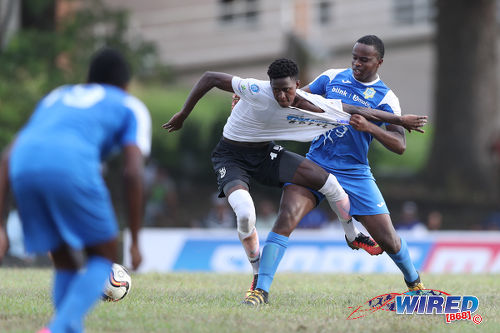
[[310, 175]]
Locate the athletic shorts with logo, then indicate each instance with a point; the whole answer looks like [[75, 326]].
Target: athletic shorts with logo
[[241, 163]]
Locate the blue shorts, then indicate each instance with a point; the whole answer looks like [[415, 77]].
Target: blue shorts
[[57, 209], [364, 194]]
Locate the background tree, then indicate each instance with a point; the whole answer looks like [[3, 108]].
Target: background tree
[[49, 51], [466, 114]]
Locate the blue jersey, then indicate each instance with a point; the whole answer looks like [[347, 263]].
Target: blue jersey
[[344, 149], [75, 127], [55, 164]]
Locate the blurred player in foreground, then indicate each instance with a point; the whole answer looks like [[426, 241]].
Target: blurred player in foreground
[[54, 170], [343, 152], [273, 110]]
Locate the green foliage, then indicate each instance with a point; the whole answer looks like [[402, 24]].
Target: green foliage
[[385, 162], [44, 55], [204, 302], [186, 153]]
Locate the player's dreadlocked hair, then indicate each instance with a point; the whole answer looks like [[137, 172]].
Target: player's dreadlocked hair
[[282, 68], [376, 42], [109, 66]]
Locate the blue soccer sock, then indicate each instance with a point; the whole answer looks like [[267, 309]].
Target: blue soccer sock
[[271, 256], [85, 289], [403, 261], [62, 280]]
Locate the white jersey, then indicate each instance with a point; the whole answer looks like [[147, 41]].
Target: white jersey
[[258, 117]]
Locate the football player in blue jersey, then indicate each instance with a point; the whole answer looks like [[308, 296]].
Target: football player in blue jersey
[[54, 170], [343, 152]]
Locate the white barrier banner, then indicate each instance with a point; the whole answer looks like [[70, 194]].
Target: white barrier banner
[[319, 251]]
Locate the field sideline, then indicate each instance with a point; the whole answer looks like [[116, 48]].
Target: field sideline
[[210, 303]]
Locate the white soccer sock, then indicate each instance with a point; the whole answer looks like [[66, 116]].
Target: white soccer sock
[[242, 204], [339, 202], [351, 232], [255, 262]]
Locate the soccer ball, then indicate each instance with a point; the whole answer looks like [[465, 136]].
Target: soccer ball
[[117, 285]]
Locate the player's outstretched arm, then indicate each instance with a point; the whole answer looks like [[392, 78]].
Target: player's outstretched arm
[[208, 81], [393, 137], [134, 189], [4, 191], [411, 122]]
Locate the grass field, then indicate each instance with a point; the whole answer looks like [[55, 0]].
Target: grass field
[[210, 303]]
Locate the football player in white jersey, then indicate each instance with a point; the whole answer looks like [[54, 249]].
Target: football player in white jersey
[[246, 150]]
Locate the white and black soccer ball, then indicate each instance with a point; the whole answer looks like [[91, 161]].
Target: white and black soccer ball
[[118, 284]]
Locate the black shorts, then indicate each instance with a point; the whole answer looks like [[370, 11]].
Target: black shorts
[[241, 163]]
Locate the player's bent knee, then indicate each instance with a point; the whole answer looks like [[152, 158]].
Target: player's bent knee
[[244, 232], [242, 204], [246, 222]]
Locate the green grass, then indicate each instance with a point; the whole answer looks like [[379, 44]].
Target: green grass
[[210, 303]]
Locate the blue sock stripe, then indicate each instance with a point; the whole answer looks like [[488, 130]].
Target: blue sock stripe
[[403, 261], [271, 256], [277, 238]]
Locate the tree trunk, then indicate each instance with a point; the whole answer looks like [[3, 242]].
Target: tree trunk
[[466, 115]]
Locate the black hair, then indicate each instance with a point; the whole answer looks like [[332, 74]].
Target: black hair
[[375, 42], [109, 66], [281, 68]]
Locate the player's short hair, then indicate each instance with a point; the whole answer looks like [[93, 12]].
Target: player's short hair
[[109, 66], [375, 42], [281, 68]]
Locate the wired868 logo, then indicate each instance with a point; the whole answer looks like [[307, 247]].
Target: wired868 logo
[[453, 307], [427, 302]]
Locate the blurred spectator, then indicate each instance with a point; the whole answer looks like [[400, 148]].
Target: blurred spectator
[[162, 202], [434, 220], [220, 215], [409, 219], [266, 215], [315, 219], [492, 221]]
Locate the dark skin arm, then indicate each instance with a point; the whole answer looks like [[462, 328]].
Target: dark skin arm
[[410, 122], [304, 104], [134, 163], [393, 137], [208, 81], [4, 192]]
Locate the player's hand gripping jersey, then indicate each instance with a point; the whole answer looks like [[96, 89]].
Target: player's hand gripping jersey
[[258, 117]]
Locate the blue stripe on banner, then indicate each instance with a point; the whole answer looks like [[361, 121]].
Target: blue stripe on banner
[[224, 255]]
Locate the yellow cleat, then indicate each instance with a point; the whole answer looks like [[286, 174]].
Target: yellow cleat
[[256, 298], [416, 285]]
